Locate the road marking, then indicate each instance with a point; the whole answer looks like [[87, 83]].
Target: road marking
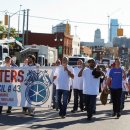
[[30, 122]]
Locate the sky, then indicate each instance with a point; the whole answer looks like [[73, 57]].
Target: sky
[[84, 16]]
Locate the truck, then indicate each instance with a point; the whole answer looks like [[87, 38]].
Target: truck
[[73, 59], [107, 61], [45, 55], [9, 47], [4, 51]]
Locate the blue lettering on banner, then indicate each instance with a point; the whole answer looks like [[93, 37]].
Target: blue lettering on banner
[[10, 88], [2, 88]]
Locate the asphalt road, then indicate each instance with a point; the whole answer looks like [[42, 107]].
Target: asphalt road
[[49, 120]]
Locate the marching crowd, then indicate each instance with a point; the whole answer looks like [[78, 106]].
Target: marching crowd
[[86, 81], [28, 62]]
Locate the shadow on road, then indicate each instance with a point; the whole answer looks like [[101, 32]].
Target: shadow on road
[[17, 118], [61, 123]]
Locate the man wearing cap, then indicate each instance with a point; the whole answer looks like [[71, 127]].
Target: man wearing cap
[[91, 83]]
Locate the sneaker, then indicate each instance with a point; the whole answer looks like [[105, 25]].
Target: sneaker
[[63, 117], [81, 110], [32, 113], [8, 111], [110, 102], [113, 114], [25, 112], [89, 118], [73, 111], [118, 115]]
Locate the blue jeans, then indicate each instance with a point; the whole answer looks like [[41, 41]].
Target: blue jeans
[[62, 104]]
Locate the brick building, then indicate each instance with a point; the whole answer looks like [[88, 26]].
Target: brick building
[[60, 40]]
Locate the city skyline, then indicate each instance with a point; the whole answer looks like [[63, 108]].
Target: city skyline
[[84, 16]]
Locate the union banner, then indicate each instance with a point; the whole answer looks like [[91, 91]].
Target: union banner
[[26, 86]]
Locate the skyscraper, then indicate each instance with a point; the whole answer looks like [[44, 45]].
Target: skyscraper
[[113, 29], [62, 28], [97, 37]]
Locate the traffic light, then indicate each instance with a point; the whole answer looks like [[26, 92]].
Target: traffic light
[[6, 19], [119, 32]]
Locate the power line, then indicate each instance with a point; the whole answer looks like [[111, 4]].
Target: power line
[[66, 20], [72, 21]]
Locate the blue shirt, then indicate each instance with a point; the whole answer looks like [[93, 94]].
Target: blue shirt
[[116, 75]]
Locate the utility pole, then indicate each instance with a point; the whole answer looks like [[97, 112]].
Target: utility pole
[[8, 35], [19, 20], [23, 25], [27, 26]]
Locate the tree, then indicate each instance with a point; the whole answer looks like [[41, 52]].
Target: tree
[[13, 32], [4, 32]]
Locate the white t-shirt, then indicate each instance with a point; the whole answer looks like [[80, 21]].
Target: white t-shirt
[[77, 81], [90, 84], [63, 79]]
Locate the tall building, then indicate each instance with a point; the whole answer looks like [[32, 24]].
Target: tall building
[[121, 42], [66, 28], [113, 29], [97, 36]]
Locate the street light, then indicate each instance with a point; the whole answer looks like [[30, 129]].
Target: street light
[[58, 40], [9, 17], [59, 48]]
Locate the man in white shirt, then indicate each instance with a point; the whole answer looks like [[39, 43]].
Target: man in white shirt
[[91, 83], [31, 64], [63, 74], [7, 63], [54, 94], [77, 87]]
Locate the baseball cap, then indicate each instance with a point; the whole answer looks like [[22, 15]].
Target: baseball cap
[[91, 59]]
